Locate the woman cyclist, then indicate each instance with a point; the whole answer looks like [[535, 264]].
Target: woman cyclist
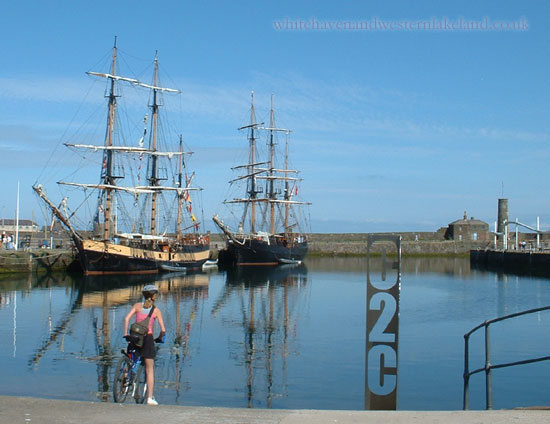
[[148, 351]]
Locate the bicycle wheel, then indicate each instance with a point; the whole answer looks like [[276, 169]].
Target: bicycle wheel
[[122, 382], [140, 385]]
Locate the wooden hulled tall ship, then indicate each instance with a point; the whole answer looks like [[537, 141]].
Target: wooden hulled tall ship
[[270, 230], [128, 235]]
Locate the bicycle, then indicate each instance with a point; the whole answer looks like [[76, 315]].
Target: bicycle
[[130, 376]]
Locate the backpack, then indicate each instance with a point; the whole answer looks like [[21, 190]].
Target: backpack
[[140, 329]]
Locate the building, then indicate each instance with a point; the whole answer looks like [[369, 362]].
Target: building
[[25, 226], [25, 230], [468, 230]]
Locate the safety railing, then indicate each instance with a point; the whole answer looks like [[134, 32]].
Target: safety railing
[[488, 366]]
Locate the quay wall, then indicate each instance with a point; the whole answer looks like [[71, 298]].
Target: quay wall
[[336, 244], [35, 260], [407, 248], [521, 262], [355, 244]]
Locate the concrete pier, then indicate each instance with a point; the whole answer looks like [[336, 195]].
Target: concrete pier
[[512, 261], [48, 411]]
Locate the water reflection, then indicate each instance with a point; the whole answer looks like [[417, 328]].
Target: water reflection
[[409, 265], [290, 337], [98, 292], [87, 324], [265, 295], [94, 298]]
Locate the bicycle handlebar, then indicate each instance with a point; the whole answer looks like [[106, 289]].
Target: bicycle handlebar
[[129, 338]]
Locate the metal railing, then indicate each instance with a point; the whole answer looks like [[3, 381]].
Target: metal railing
[[488, 366]]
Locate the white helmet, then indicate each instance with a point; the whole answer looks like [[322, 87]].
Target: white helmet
[[150, 288]]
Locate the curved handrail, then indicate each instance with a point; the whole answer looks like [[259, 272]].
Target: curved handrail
[[488, 366]]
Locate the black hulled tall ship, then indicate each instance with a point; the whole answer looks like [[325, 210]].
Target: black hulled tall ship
[[269, 230], [143, 220]]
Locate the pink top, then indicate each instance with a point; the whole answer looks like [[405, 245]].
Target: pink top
[[140, 316]]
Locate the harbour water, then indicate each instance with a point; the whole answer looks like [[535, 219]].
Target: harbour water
[[291, 337]]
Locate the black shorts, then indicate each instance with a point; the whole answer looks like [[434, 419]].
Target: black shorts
[[148, 350]]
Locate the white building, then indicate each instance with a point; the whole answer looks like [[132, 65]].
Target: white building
[[25, 226]]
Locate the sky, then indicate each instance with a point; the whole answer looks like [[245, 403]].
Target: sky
[[404, 115]]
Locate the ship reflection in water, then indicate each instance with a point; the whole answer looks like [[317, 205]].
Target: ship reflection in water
[[100, 296], [284, 337], [245, 326], [267, 317]]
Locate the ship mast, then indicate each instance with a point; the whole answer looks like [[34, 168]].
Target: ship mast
[[108, 157], [180, 193], [153, 180], [287, 188], [271, 167], [264, 171], [252, 191]]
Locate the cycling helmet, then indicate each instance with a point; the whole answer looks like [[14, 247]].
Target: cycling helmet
[[150, 288]]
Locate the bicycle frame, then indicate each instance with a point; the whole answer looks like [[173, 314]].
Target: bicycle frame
[[134, 356], [128, 376]]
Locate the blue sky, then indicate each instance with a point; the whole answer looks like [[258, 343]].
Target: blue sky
[[393, 130]]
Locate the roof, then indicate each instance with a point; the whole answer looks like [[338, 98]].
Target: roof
[[22, 222], [470, 221]]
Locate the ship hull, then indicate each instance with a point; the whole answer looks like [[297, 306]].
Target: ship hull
[[100, 258], [259, 252]]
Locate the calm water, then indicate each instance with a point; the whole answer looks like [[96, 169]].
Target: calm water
[[289, 338]]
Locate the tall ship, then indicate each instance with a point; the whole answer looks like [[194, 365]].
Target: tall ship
[[270, 227], [142, 218]]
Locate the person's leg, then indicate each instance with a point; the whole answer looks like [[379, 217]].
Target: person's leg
[[150, 371]]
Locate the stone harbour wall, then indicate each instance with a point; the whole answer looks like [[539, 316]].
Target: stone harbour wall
[[338, 244], [411, 244], [35, 260]]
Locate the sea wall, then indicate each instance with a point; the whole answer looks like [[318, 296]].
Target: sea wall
[[337, 244], [36, 260], [411, 244], [520, 262], [355, 244]]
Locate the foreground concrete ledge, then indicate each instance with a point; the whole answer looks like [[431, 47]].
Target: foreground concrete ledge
[[54, 411]]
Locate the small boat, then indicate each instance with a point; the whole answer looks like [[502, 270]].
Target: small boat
[[172, 267], [210, 264], [290, 261]]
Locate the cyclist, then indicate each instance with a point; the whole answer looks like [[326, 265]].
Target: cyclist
[[148, 351]]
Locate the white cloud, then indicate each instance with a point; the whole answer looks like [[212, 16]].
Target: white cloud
[[342, 139], [305, 105], [43, 89]]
